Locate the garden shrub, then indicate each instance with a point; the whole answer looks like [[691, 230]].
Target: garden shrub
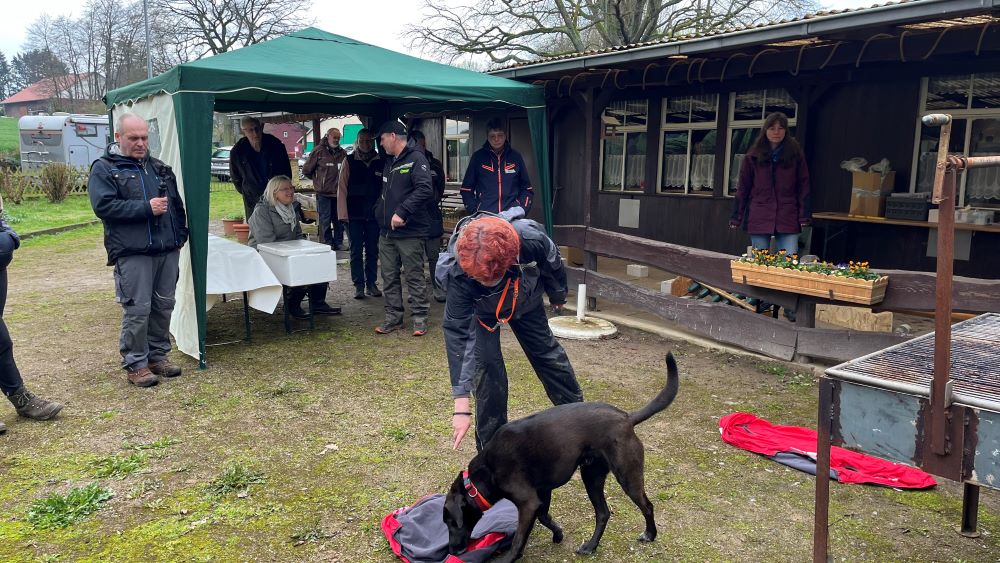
[[13, 185], [58, 180]]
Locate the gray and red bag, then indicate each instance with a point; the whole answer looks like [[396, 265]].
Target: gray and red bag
[[418, 534]]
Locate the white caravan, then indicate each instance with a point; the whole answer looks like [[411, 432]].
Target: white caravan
[[74, 139]]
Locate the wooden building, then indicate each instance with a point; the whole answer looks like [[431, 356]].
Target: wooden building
[[647, 139]]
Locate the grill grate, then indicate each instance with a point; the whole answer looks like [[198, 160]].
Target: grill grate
[[909, 367]]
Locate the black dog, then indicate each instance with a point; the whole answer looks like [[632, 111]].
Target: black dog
[[527, 459]]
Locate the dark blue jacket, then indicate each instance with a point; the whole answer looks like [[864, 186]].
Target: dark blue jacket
[[496, 184], [120, 188]]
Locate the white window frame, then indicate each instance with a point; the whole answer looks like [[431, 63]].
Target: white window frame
[[969, 114], [454, 137], [730, 191], [688, 128], [624, 130]]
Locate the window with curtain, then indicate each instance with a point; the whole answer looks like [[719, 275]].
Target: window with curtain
[[456, 148], [689, 131], [623, 146], [747, 111], [973, 100]]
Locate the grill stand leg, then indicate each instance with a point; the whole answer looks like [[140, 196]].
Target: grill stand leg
[[970, 511], [821, 523]]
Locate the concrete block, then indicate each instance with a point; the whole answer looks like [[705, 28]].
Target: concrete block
[[667, 286], [637, 271], [856, 318]]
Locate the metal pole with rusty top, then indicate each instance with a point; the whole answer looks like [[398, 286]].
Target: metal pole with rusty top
[[944, 196]]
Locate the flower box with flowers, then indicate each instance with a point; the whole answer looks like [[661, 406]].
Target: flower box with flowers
[[853, 282]]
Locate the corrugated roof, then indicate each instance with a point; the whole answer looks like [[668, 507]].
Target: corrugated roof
[[791, 42]]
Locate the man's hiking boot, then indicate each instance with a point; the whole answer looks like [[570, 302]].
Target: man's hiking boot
[[142, 377], [165, 368], [32, 406], [373, 290], [359, 292]]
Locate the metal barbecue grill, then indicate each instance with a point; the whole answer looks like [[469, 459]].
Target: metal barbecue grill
[[909, 367], [932, 402]]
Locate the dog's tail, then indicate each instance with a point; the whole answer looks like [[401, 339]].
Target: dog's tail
[[664, 398]]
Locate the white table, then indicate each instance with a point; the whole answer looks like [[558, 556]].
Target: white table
[[237, 268]]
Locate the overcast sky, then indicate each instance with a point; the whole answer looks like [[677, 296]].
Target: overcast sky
[[379, 22]]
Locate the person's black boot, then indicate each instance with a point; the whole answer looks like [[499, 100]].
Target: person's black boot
[[374, 291], [359, 292], [31, 406]]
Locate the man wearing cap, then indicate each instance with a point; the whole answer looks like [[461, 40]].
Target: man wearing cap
[[404, 224], [27, 404]]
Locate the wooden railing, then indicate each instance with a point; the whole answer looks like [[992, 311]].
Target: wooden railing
[[911, 291]]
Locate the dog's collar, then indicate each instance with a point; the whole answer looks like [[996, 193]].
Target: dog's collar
[[479, 499]]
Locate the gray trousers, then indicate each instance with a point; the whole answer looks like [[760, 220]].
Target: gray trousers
[[144, 285], [409, 256], [433, 246]]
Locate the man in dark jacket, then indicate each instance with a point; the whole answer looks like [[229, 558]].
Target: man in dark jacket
[[433, 242], [323, 168], [495, 273], [497, 179], [255, 159], [360, 187], [403, 223], [26, 403], [136, 197]]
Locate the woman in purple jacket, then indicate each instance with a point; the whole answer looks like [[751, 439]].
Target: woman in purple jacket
[[772, 197]]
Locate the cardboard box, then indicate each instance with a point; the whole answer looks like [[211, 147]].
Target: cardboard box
[[873, 181], [868, 193]]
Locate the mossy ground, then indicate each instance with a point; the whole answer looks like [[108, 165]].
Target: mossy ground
[[345, 427]]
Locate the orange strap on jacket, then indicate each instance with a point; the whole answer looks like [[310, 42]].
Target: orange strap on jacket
[[503, 297]]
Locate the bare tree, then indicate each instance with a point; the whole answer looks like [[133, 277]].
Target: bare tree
[[210, 27], [509, 31]]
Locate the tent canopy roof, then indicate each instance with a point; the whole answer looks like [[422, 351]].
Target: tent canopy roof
[[314, 71]]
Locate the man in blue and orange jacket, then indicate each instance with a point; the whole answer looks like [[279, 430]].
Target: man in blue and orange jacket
[[497, 179]]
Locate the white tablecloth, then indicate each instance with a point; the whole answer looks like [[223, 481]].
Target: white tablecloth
[[235, 268]]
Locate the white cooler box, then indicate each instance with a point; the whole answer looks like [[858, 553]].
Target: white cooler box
[[300, 262]]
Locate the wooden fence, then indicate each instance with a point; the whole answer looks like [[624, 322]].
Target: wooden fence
[[910, 291]]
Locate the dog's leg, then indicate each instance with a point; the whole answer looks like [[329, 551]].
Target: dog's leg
[[627, 464], [594, 475], [527, 511], [546, 519]]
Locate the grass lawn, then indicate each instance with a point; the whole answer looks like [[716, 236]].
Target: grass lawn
[[9, 144], [36, 214]]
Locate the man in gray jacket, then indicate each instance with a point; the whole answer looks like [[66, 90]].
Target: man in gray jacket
[[136, 197]]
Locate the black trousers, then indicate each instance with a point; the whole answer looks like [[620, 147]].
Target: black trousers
[[364, 251], [10, 377], [295, 295], [546, 356]]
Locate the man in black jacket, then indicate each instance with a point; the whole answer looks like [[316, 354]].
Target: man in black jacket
[[433, 242], [404, 224], [136, 197], [254, 160]]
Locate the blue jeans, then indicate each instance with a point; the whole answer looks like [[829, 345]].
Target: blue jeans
[[789, 242]]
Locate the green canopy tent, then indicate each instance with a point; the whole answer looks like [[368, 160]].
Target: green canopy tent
[[308, 71]]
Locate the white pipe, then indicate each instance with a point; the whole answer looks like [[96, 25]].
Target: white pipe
[[581, 301]]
